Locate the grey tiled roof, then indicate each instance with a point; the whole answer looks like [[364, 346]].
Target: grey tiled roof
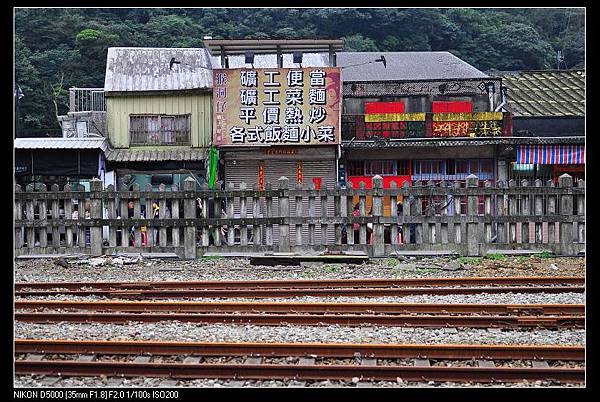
[[405, 66], [147, 69], [545, 93], [143, 155]]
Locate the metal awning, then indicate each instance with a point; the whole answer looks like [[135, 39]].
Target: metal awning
[[180, 154], [554, 154], [263, 46], [459, 142], [61, 143]]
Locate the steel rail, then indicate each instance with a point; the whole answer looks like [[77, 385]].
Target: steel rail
[[312, 283], [435, 321], [339, 350], [257, 293], [298, 372], [222, 307]]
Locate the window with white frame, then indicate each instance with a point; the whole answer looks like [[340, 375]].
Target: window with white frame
[[159, 129]]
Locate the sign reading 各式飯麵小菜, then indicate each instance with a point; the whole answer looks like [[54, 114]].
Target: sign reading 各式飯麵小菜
[[277, 106]]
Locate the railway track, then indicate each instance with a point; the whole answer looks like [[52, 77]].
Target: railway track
[[270, 293], [296, 288], [368, 361], [309, 284], [430, 321], [323, 308]]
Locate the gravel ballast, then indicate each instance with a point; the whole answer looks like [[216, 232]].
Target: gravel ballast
[[178, 331], [106, 270], [109, 269]]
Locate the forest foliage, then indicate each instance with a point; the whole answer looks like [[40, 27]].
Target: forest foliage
[[60, 48]]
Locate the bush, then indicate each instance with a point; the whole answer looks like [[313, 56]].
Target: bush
[[495, 256]]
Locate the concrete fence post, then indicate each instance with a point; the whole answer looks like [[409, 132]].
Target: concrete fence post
[[378, 244], [111, 206], [394, 214], [538, 210], [30, 215], [337, 212], [96, 213], [417, 210], [137, 215], [68, 215], [175, 215], [189, 212], [151, 240], [162, 214], [457, 229], [406, 208], [324, 215], [349, 211], [553, 228], [299, 214], [269, 214], [472, 227], [257, 228], [566, 209], [525, 213], [581, 212], [243, 215], [311, 213], [487, 211], [284, 213], [362, 205], [124, 212], [513, 232], [501, 211], [230, 214], [56, 216], [43, 217], [18, 212]]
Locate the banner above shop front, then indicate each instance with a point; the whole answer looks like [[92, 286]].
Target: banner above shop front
[[277, 106]]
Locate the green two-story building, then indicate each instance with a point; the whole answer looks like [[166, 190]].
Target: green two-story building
[[158, 104]]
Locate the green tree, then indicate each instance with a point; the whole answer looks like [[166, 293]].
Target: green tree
[[358, 43]]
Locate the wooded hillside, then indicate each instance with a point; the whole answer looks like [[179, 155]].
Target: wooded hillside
[[59, 48]]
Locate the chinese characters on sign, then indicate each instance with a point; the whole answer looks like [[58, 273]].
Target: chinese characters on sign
[[281, 106], [490, 128]]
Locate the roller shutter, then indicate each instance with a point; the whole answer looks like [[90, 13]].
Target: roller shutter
[[247, 171]]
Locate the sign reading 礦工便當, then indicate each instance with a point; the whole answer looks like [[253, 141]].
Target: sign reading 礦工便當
[[277, 106]]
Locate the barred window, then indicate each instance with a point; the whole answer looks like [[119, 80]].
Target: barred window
[[159, 129]]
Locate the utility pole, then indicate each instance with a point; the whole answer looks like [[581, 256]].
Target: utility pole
[[18, 96]]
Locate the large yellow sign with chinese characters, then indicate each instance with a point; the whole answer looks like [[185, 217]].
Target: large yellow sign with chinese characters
[[278, 106]]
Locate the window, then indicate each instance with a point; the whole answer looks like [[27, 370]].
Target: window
[[462, 166], [356, 168], [429, 168], [380, 168], [159, 130], [403, 167]]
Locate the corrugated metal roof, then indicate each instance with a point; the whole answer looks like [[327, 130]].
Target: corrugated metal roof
[[545, 93], [61, 143], [148, 69], [405, 66], [154, 155]]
